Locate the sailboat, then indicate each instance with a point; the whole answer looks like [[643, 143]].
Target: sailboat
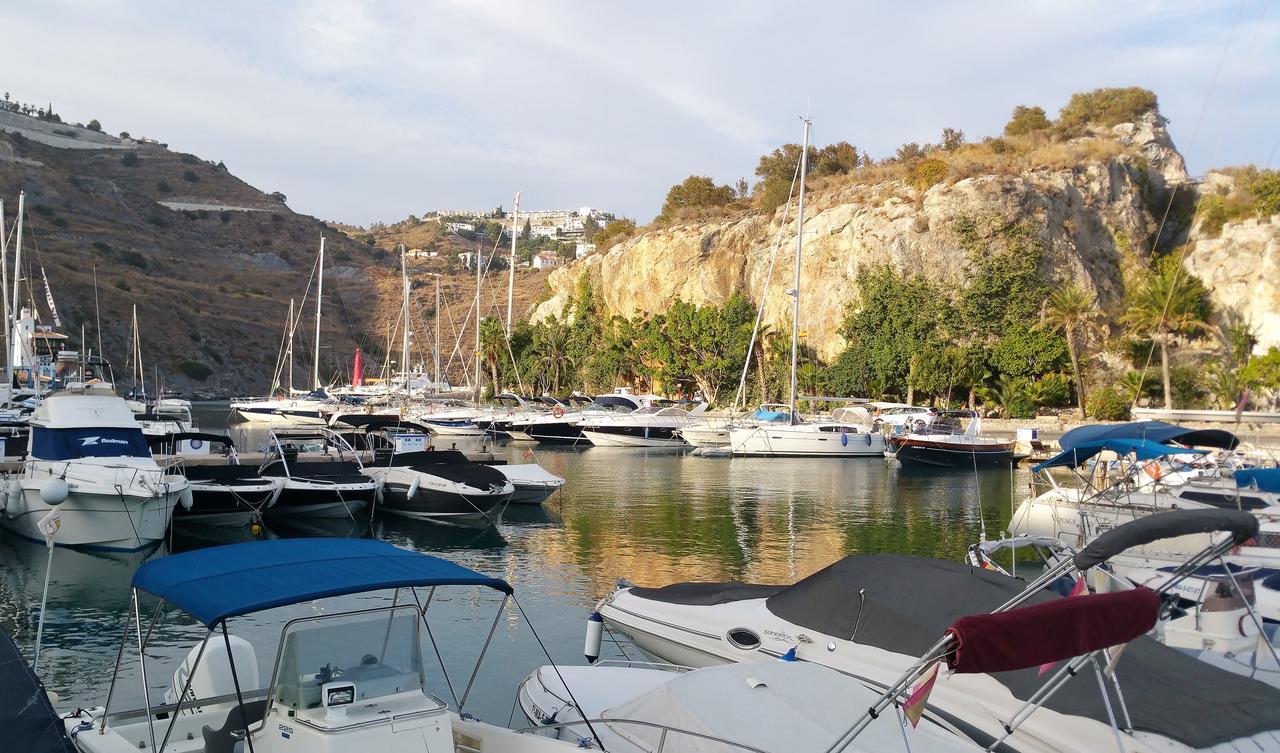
[[790, 435], [314, 407]]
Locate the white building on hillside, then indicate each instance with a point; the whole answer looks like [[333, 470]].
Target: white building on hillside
[[546, 261]]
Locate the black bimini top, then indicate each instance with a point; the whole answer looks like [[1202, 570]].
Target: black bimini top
[[910, 601], [451, 465], [29, 722]]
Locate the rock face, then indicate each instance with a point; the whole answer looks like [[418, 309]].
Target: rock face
[[1089, 220], [1242, 269]]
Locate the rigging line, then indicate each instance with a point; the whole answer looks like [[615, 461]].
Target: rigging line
[[764, 295], [1182, 256]]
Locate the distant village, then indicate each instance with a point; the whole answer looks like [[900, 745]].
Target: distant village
[[553, 235]]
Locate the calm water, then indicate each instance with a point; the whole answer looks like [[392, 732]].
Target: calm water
[[652, 517]]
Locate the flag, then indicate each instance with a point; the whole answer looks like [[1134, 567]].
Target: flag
[[357, 369], [48, 297], [528, 453], [913, 709], [49, 526], [1076, 590], [1244, 400]]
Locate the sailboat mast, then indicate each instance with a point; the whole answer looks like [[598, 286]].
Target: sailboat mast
[[404, 315], [289, 348], [511, 274], [315, 369], [4, 287], [15, 357], [437, 276], [479, 259], [795, 291]]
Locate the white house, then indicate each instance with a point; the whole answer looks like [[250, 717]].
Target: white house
[[545, 261], [582, 249], [461, 227], [468, 259]]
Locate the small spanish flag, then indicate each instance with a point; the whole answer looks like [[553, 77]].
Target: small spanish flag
[[913, 709], [1076, 590]]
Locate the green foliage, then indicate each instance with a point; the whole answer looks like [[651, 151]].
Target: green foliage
[[94, 125], [927, 173], [134, 259], [190, 176], [1026, 120], [122, 284], [1024, 351], [1172, 301], [164, 187], [1266, 193], [124, 134], [613, 232], [952, 139], [195, 370], [1050, 390], [835, 159], [1106, 108], [909, 152], [779, 168], [1262, 371], [1108, 404], [1012, 396], [695, 192]]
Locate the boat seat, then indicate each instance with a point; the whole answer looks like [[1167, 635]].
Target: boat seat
[[229, 738]]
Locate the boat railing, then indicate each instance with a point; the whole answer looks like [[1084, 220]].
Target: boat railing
[[634, 663], [666, 731]]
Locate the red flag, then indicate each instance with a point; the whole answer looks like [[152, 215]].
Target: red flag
[[528, 453], [1076, 590], [913, 709], [1244, 401], [357, 369]]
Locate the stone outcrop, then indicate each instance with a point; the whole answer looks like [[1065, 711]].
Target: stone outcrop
[[1090, 221], [1241, 267]]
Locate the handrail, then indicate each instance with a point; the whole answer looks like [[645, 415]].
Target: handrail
[[666, 729]]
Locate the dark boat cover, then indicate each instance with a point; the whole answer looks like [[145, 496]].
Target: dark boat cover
[[909, 602], [1058, 629], [222, 473], [1152, 431], [1241, 525], [161, 440], [706, 594], [27, 719]]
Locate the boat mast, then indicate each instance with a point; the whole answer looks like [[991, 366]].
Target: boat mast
[[795, 291], [511, 274], [315, 369], [404, 315], [289, 348], [4, 287], [13, 301], [437, 352], [479, 257]]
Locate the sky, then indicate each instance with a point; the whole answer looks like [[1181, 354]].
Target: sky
[[370, 111]]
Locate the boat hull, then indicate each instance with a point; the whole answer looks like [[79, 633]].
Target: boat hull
[[938, 454], [105, 521], [787, 442], [634, 436], [551, 432], [227, 505], [450, 508], [300, 497]]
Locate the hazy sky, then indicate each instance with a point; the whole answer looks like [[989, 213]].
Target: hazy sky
[[370, 111]]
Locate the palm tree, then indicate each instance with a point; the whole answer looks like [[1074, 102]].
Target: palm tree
[[1074, 312], [493, 345], [1171, 302], [552, 348], [759, 351]]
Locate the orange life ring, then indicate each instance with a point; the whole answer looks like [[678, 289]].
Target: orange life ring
[[558, 412]]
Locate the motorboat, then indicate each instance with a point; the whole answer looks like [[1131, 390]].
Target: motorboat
[[563, 426], [656, 424], [345, 678], [326, 482], [775, 707], [842, 435], [90, 476], [532, 483], [714, 433], [448, 418], [943, 444], [878, 618], [226, 493], [442, 486], [310, 409], [901, 417], [509, 407]]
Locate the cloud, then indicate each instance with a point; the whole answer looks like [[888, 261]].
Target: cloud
[[362, 111]]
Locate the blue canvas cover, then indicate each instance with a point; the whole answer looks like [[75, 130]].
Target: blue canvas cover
[[1152, 431], [27, 719], [226, 581], [771, 415], [73, 444], [1262, 479], [1142, 449]]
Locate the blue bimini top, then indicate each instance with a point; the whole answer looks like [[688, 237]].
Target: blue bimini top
[[1142, 449], [227, 581], [1152, 431]]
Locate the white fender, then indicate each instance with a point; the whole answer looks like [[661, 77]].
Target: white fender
[[15, 500], [595, 630], [186, 499], [413, 488], [54, 491]]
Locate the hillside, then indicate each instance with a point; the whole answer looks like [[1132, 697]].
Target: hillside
[[209, 260]]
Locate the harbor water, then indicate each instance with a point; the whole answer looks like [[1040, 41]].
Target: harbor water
[[650, 516]]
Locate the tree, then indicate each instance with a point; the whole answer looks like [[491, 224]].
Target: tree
[[909, 152], [589, 228], [1071, 310], [124, 134], [551, 350], [952, 139], [696, 191], [612, 232], [927, 173], [1106, 108], [526, 232], [742, 188], [493, 345], [836, 159], [1172, 302], [94, 125], [1026, 120], [776, 171]]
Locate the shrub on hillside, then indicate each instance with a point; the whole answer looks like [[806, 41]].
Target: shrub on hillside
[[1026, 120], [927, 173], [1108, 404], [189, 159], [695, 192], [130, 159], [123, 285], [164, 187], [1105, 107], [613, 232], [195, 370], [94, 125], [190, 176]]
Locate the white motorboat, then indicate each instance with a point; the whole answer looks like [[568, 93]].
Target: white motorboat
[[225, 493], [324, 486], [562, 426], [312, 409], [774, 707], [823, 438], [447, 418], [533, 484], [873, 616], [347, 678], [442, 486], [655, 425], [89, 460]]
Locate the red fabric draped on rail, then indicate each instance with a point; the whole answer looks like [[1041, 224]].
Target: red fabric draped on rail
[[1050, 631]]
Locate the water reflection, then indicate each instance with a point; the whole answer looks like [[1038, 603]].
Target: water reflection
[[652, 517]]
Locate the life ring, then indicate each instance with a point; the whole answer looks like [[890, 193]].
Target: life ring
[[558, 412]]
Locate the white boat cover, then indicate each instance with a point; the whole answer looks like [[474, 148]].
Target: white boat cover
[[529, 473]]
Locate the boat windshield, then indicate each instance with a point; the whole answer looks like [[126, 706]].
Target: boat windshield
[[72, 444], [613, 403], [376, 651]]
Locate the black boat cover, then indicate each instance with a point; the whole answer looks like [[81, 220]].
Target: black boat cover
[[373, 421], [909, 602], [1241, 525], [27, 719], [222, 473], [706, 594]]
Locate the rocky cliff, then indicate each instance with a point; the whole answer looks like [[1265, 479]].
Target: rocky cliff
[[1090, 209], [1241, 267]]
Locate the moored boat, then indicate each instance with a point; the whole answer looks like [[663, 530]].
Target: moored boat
[[941, 444]]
